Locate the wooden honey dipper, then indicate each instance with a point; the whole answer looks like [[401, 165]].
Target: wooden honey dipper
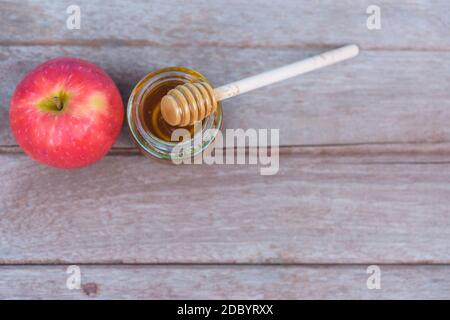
[[191, 102]]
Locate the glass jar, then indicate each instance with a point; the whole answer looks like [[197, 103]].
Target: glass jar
[[149, 131]]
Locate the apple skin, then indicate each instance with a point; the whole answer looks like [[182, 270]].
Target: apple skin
[[66, 113]]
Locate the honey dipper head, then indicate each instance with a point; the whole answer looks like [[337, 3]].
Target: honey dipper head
[[188, 103]]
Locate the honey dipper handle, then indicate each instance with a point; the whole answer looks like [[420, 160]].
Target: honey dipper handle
[[286, 72]]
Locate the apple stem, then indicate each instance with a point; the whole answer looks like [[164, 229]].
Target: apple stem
[[58, 103]]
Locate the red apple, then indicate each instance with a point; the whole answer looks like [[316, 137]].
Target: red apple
[[66, 113]]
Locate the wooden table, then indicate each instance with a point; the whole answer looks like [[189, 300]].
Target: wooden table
[[364, 164]]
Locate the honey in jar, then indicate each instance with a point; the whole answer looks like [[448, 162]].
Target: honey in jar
[[150, 132]]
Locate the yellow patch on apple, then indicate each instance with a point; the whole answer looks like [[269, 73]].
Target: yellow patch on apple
[[98, 101]]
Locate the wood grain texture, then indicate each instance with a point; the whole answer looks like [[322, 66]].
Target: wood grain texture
[[370, 184], [225, 282], [412, 24], [324, 206], [378, 97]]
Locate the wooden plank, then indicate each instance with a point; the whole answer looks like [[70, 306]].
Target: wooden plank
[[324, 206], [375, 98], [225, 282], [412, 24]]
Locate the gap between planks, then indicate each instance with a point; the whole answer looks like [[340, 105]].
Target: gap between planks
[[225, 264], [429, 153], [96, 43]]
